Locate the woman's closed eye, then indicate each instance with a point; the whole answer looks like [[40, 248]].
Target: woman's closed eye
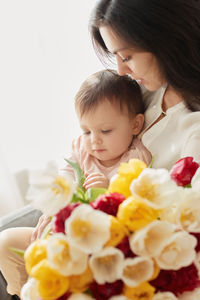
[[126, 59]]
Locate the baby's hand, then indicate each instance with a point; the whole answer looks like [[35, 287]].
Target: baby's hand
[[42, 223], [96, 180]]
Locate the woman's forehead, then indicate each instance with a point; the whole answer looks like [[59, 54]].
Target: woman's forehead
[[112, 41]]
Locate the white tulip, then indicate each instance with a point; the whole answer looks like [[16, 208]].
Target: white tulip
[[150, 240], [137, 270], [29, 290], [155, 187], [178, 252], [188, 216], [65, 258], [194, 295], [49, 191], [88, 229], [80, 296], [164, 296], [107, 265], [195, 182]]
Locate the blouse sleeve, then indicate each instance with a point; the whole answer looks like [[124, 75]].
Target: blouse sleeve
[[192, 147]]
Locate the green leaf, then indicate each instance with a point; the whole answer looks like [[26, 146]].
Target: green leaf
[[151, 163], [188, 185], [89, 292], [77, 198], [80, 193], [46, 231], [17, 251], [80, 177], [93, 193]]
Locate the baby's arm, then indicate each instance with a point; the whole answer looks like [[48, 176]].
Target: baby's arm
[[95, 180]]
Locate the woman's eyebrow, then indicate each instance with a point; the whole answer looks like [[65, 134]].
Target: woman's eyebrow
[[115, 51]]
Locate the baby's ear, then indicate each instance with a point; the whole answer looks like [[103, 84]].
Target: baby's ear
[[137, 124]]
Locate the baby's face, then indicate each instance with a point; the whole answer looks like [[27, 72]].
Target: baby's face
[[107, 132]]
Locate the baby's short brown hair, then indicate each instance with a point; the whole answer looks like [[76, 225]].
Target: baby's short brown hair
[[108, 85]]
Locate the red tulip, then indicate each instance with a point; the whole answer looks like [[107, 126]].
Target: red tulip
[[60, 218], [108, 203], [107, 290], [177, 282], [183, 171]]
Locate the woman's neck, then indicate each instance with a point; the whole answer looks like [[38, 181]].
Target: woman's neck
[[170, 98]]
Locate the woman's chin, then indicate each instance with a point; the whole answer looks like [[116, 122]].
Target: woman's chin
[[152, 87]]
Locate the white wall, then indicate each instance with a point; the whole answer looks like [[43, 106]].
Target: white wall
[[45, 54]]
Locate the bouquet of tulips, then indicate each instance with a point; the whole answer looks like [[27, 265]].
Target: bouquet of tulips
[[138, 240]]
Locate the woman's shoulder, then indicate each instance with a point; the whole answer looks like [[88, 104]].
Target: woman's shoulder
[[191, 120]]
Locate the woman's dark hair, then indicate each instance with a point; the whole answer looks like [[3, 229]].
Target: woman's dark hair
[[169, 29], [108, 85]]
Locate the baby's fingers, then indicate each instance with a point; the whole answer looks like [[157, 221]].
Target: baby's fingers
[[95, 184], [94, 175], [91, 180]]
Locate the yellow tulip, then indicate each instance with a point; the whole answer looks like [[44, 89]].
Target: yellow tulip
[[134, 167], [80, 283], [135, 214], [51, 284], [156, 271], [126, 173], [117, 232], [121, 185], [34, 254], [144, 291]]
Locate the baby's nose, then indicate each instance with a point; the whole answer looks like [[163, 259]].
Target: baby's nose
[[95, 138]]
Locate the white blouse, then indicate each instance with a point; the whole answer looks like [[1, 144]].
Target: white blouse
[[175, 136]]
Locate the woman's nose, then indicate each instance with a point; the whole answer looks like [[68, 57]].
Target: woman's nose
[[122, 68]]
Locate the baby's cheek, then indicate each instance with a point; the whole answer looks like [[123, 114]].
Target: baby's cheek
[[87, 144]]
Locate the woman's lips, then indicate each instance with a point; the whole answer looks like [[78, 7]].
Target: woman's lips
[[140, 81]]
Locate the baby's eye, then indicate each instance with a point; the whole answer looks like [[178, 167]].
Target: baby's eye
[[106, 131], [86, 132]]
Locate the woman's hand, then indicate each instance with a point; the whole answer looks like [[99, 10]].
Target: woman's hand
[[96, 180], [42, 223]]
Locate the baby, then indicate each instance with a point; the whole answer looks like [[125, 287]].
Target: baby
[[110, 111]]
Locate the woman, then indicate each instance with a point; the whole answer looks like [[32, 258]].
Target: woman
[[158, 44]]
